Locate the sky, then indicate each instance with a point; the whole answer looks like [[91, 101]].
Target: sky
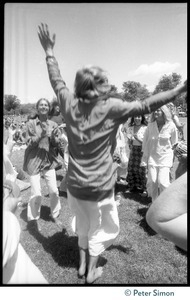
[[130, 41]]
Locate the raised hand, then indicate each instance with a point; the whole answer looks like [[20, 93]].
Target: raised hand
[[46, 41]]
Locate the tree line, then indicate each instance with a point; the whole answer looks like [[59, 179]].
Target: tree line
[[131, 90]]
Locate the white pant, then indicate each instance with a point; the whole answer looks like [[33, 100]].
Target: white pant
[[34, 204], [97, 223], [17, 265], [158, 180], [63, 185]]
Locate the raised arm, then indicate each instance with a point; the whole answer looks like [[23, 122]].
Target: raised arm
[[46, 41], [162, 98], [56, 80]]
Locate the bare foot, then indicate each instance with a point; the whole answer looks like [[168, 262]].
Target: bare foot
[[94, 274], [82, 270]]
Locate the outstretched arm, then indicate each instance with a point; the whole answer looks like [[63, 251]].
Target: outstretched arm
[[123, 110]]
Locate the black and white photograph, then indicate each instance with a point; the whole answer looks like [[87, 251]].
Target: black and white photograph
[[95, 149]]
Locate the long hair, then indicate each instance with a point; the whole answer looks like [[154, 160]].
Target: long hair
[[91, 82], [143, 121], [38, 102], [166, 113], [54, 103], [34, 115]]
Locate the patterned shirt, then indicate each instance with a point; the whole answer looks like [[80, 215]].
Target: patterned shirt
[[91, 131], [40, 153], [140, 134]]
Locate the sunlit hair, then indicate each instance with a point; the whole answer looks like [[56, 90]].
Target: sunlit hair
[[91, 82], [166, 113], [143, 121], [38, 103], [34, 115]]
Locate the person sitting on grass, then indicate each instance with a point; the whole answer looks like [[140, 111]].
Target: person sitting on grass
[[168, 213], [8, 146], [93, 115]]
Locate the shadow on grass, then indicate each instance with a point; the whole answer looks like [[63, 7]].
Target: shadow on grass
[[142, 212], [181, 251], [138, 198], [121, 248], [44, 214], [62, 247]]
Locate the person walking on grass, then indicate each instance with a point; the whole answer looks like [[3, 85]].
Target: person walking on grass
[[41, 158], [136, 176], [159, 141], [93, 115]]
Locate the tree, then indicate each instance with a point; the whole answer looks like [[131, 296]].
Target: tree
[[11, 102], [168, 82], [27, 108], [134, 91]]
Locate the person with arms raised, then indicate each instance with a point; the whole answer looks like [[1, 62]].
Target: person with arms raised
[[93, 115]]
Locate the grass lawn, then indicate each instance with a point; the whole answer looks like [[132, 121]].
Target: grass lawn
[[138, 256]]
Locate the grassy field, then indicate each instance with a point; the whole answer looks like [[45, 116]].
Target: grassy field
[[139, 256]]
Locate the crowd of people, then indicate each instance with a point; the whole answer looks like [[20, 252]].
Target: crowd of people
[[102, 140]]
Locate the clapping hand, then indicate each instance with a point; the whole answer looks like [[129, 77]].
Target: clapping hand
[[46, 41]]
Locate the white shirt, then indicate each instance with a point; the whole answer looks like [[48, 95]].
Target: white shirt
[[157, 146], [140, 134]]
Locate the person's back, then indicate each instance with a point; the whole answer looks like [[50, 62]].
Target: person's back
[[92, 118], [92, 137]]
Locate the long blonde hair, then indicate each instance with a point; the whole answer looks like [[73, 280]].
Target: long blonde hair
[[166, 113]]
